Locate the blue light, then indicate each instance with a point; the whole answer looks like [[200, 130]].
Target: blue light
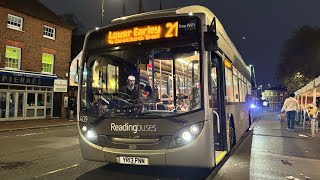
[[252, 106]]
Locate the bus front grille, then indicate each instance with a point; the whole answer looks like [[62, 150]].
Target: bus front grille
[[142, 143]]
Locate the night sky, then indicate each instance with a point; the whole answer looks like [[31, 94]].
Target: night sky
[[258, 28]]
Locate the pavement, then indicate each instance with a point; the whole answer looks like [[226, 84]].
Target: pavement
[[34, 124], [272, 152]]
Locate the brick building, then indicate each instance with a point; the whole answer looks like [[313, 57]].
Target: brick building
[[35, 48], [275, 96]]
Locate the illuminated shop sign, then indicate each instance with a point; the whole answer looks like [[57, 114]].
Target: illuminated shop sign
[[143, 33], [25, 79]]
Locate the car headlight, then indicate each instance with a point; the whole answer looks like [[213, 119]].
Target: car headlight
[[186, 135]]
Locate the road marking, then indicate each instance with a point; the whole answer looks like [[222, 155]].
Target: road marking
[[51, 131], [62, 169], [4, 136], [31, 134]]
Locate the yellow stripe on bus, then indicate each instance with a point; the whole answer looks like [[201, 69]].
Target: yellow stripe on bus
[[222, 155]]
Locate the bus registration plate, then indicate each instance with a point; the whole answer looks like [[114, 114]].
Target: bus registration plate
[[134, 160]]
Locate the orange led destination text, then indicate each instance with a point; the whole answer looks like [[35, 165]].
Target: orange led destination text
[[141, 34]]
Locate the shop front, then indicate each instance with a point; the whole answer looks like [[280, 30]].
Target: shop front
[[25, 95]]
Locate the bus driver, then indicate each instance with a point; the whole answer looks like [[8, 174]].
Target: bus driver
[[130, 89]]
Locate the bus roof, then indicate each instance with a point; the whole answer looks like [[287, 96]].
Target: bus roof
[[225, 44]]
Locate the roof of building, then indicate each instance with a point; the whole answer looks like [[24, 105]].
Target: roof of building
[[276, 89], [35, 9]]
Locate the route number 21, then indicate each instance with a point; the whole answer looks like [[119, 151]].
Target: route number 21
[[172, 29]]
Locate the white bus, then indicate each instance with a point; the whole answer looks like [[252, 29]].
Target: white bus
[[162, 88]]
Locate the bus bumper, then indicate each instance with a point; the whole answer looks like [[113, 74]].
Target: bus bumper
[[198, 153]]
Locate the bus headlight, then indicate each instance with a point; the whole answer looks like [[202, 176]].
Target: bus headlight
[[186, 135], [252, 106], [89, 133], [194, 129], [84, 129]]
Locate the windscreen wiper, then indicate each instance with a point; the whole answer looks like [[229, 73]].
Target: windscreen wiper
[[98, 119], [182, 121]]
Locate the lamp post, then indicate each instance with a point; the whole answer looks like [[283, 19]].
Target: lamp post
[[102, 12], [140, 6], [123, 8], [161, 5]]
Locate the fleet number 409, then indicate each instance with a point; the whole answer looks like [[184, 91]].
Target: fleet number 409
[[83, 119]]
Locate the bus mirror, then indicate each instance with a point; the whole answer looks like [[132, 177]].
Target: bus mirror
[[210, 41]]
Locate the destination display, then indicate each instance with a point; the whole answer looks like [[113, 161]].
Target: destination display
[[184, 28], [143, 33]]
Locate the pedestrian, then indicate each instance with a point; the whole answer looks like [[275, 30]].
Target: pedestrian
[[290, 106]]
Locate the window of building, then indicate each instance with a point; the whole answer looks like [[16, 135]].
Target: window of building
[[13, 57], [49, 32], [47, 63], [14, 22]]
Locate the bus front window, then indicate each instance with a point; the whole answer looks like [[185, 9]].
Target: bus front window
[[131, 82]]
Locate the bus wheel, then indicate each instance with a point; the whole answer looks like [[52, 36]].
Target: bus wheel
[[232, 134]]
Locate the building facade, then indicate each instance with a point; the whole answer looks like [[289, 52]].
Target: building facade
[[35, 48], [275, 96]]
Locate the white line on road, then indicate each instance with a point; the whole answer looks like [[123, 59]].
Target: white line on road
[[51, 131], [62, 169], [31, 134], [4, 136]]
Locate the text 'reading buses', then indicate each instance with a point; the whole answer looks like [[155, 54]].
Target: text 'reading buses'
[[144, 33]]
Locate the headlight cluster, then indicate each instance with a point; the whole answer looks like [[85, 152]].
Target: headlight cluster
[[186, 135], [89, 133]]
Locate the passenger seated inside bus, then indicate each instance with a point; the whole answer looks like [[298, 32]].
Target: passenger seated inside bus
[[143, 95]]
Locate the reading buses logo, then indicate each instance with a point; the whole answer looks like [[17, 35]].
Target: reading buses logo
[[134, 128]]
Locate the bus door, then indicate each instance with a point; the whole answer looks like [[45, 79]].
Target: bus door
[[218, 106]]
